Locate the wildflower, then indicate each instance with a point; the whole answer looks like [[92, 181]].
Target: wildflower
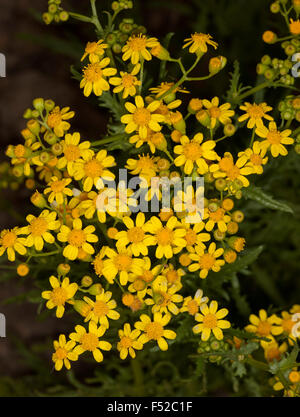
[[274, 139], [272, 350], [121, 262], [169, 238], [210, 319], [155, 140], [39, 227], [58, 190], [264, 326], [60, 294], [93, 168], [206, 260], [94, 77], [255, 113], [164, 298], [102, 308], [127, 82], [194, 153], [135, 235], [77, 238], [294, 27], [94, 50], [141, 281], [56, 120], [72, 151], [198, 43], [163, 88], [234, 172], [255, 157], [63, 353], [145, 166], [216, 215], [98, 261], [89, 341], [192, 304], [22, 270], [154, 330], [218, 113], [136, 48], [12, 243], [129, 341], [142, 117]]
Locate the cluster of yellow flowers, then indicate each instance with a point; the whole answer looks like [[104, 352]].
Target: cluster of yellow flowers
[[139, 258]]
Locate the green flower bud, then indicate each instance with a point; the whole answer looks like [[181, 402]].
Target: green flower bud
[[47, 18], [63, 269], [63, 16], [33, 126], [86, 281], [27, 114], [95, 289], [266, 60], [229, 129], [117, 48], [220, 184], [50, 138], [275, 7], [49, 105], [38, 104]]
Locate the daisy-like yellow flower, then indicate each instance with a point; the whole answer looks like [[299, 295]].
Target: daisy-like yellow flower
[[56, 120], [163, 88], [88, 206], [92, 169], [140, 282], [189, 205], [72, 151], [294, 27], [154, 330], [121, 262], [39, 227], [195, 236], [211, 320], [98, 261], [198, 43], [61, 294], [94, 77], [193, 153], [94, 50], [286, 323], [63, 353], [116, 202], [129, 341], [77, 238], [216, 216], [256, 157], [272, 349], [171, 274], [255, 113], [155, 140], [141, 117], [206, 260], [58, 189], [218, 113], [233, 172], [264, 326], [274, 139], [102, 309], [89, 341], [136, 48], [169, 239], [145, 166], [135, 236], [127, 82], [192, 304], [164, 298], [12, 243]]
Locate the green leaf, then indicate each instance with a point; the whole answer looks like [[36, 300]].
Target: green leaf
[[266, 200]]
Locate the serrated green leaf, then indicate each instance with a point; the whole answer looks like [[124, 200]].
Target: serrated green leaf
[[266, 200]]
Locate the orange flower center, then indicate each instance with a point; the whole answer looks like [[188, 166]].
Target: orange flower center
[[264, 328], [93, 72], [233, 173], [100, 308], [137, 44], [76, 238], [135, 235], [89, 341], [72, 153], [123, 262], [125, 342], [192, 151], [192, 307], [226, 164], [141, 117], [164, 236], [255, 111], [38, 227], [61, 353], [9, 239], [57, 186], [128, 80], [210, 321], [172, 276], [59, 296], [256, 159], [191, 237], [19, 151], [214, 112], [207, 261], [274, 137], [93, 168], [154, 330]]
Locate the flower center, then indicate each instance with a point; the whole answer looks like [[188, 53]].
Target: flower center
[[38, 227], [164, 236], [137, 44], [9, 239], [19, 151], [57, 186], [147, 276], [264, 328], [274, 137], [89, 341], [145, 163], [214, 112], [154, 330], [71, 153], [54, 118], [93, 72], [172, 276], [127, 80], [123, 262], [141, 117], [256, 159], [125, 342], [136, 235], [217, 215], [76, 238], [191, 237], [210, 321], [287, 325], [226, 164], [93, 169], [200, 37], [61, 353], [192, 307], [192, 151], [59, 296], [233, 173], [255, 111], [100, 308], [207, 261]]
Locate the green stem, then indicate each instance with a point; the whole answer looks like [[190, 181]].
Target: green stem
[[141, 76], [257, 364], [138, 377], [46, 253], [95, 19], [107, 140], [80, 17], [252, 137], [253, 90]]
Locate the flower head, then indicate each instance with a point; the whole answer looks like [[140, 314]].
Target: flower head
[[63, 353], [94, 77], [129, 341], [136, 48], [60, 294], [198, 43], [154, 329], [211, 320], [12, 243]]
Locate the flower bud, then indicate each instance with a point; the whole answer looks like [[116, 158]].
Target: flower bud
[[63, 269], [195, 105], [220, 184], [22, 270], [229, 129], [160, 52], [236, 243], [216, 64], [50, 138], [203, 117], [38, 200], [57, 149], [232, 228], [269, 36], [27, 114], [95, 289], [38, 104], [49, 105], [86, 281], [275, 7], [238, 216], [218, 235], [230, 256], [82, 307], [63, 16], [266, 60], [47, 18], [33, 126]]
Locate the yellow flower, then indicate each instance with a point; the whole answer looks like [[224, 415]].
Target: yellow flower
[[135, 236], [72, 151], [102, 308], [10, 242], [98, 261], [217, 217], [77, 238], [129, 341], [142, 117], [89, 341], [272, 350], [116, 202], [154, 330], [56, 120], [264, 326], [121, 262], [164, 298], [192, 305], [94, 77], [61, 294], [136, 48], [218, 113], [206, 260], [274, 139], [94, 50], [189, 205], [155, 140], [235, 173], [63, 353], [92, 169], [38, 229], [193, 153], [169, 239], [141, 281], [58, 190], [127, 82], [194, 237], [163, 88], [295, 26], [145, 166], [286, 323], [211, 321], [198, 43], [255, 157], [255, 113]]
